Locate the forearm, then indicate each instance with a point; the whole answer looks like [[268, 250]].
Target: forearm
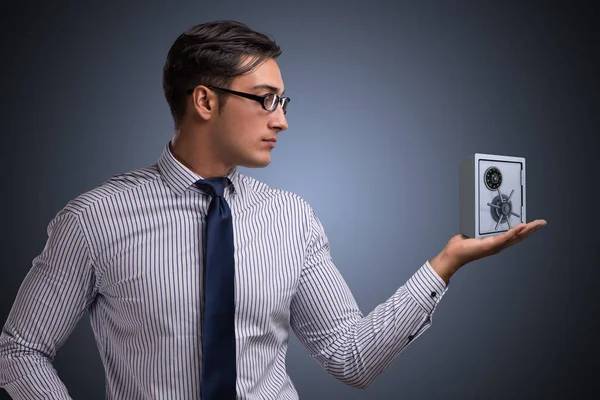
[[371, 344], [326, 319], [52, 298], [26, 373]]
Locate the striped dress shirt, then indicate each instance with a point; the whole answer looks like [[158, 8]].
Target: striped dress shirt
[[130, 253]]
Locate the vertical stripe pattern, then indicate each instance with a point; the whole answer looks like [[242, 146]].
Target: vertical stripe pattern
[[130, 253]]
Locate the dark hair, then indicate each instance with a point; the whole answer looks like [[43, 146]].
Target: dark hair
[[211, 54]]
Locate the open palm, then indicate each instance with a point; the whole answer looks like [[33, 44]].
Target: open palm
[[463, 250]]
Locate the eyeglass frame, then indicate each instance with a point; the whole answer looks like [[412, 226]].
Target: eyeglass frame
[[260, 99]]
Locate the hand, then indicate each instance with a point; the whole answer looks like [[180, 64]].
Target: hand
[[461, 250]]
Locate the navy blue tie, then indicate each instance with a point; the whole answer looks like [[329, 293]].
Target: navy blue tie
[[218, 337]]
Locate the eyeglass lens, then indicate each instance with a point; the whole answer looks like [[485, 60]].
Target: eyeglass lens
[[271, 102]]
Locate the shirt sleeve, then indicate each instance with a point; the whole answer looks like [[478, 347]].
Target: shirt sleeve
[[51, 300], [354, 348]]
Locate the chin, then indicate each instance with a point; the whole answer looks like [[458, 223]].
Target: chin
[[256, 163]]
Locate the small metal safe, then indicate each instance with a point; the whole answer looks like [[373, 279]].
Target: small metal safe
[[491, 194]]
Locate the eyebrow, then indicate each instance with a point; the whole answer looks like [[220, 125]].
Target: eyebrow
[[269, 87]]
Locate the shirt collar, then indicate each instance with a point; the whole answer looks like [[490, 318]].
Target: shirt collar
[[179, 177]]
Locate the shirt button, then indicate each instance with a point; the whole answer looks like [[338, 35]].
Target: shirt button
[[433, 294]]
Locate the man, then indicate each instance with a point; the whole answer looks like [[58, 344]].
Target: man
[[193, 273]]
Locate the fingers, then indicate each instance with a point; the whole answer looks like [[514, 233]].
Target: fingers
[[511, 234], [527, 230]]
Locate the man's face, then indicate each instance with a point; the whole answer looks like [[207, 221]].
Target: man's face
[[244, 131]]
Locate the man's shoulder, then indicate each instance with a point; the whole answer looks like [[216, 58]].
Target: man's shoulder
[[261, 190], [126, 183]]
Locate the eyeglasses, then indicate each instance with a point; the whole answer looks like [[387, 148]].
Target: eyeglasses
[[268, 101]]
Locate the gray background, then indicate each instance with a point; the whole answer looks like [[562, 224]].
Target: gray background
[[387, 99]]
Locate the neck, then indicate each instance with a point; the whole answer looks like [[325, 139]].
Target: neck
[[194, 150]]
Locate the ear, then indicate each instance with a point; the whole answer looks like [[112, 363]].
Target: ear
[[205, 102]]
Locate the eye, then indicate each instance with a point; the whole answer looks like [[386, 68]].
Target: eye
[[271, 101]]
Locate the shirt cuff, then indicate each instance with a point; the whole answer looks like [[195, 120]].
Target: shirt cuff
[[426, 287]]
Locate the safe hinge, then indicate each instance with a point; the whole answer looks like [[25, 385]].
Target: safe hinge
[[522, 178]]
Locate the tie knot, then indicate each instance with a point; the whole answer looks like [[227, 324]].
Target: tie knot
[[213, 186]]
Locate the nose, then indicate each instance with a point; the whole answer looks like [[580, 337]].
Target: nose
[[278, 121]]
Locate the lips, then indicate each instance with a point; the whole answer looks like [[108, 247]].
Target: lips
[[270, 142]]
